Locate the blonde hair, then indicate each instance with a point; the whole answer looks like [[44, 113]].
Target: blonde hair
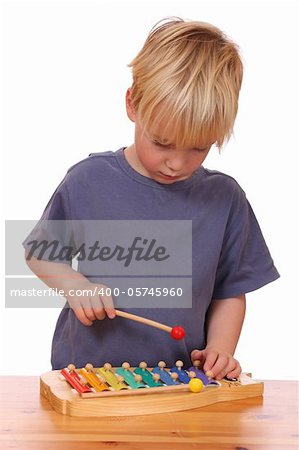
[[187, 77]]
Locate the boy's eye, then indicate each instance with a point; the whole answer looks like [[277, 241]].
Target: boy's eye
[[161, 145], [200, 150]]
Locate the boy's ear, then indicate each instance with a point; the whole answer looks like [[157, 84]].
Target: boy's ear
[[129, 106]]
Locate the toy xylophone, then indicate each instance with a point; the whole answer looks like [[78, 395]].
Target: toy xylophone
[[100, 391], [90, 382]]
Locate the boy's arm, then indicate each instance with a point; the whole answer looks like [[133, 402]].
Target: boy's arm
[[223, 324], [87, 307]]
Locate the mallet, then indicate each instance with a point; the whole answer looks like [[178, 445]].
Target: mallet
[[176, 332]]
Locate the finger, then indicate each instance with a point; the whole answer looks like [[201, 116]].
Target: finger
[[236, 372], [197, 355], [108, 303], [98, 308], [211, 358], [83, 303], [91, 304], [79, 306], [90, 314], [220, 367], [88, 308], [81, 316], [230, 365]]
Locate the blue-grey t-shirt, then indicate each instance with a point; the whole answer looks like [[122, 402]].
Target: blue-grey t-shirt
[[229, 255]]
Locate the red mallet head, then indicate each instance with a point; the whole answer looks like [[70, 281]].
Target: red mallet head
[[177, 333]]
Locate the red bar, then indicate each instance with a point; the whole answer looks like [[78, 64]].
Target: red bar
[[74, 380]]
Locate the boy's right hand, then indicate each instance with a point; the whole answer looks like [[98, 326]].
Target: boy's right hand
[[90, 302]]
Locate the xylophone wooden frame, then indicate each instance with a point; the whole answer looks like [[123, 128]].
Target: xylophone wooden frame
[[64, 400]]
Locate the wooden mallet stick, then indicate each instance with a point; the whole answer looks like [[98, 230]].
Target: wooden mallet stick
[[177, 332]]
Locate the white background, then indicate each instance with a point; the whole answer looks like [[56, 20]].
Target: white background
[[64, 77]]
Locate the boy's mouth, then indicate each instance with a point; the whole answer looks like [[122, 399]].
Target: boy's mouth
[[168, 177]]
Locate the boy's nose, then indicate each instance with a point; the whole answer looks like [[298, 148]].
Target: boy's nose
[[175, 164]]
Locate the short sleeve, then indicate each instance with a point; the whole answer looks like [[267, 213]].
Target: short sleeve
[[245, 263], [51, 238], [58, 207]]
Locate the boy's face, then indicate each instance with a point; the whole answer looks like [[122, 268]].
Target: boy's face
[[160, 160]]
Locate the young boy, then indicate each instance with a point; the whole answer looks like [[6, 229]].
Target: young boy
[[184, 99]]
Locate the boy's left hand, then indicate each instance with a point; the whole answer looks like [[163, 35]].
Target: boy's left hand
[[217, 363]]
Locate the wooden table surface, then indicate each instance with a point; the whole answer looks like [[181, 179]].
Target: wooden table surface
[[269, 422]]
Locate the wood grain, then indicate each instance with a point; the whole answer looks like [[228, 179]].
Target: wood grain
[[263, 423]]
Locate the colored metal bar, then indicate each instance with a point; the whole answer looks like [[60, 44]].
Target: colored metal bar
[[202, 376], [182, 374], [147, 377], [164, 376], [74, 380], [129, 378], [112, 379], [93, 380]]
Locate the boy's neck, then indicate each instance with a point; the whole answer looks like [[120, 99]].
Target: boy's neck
[[133, 160]]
